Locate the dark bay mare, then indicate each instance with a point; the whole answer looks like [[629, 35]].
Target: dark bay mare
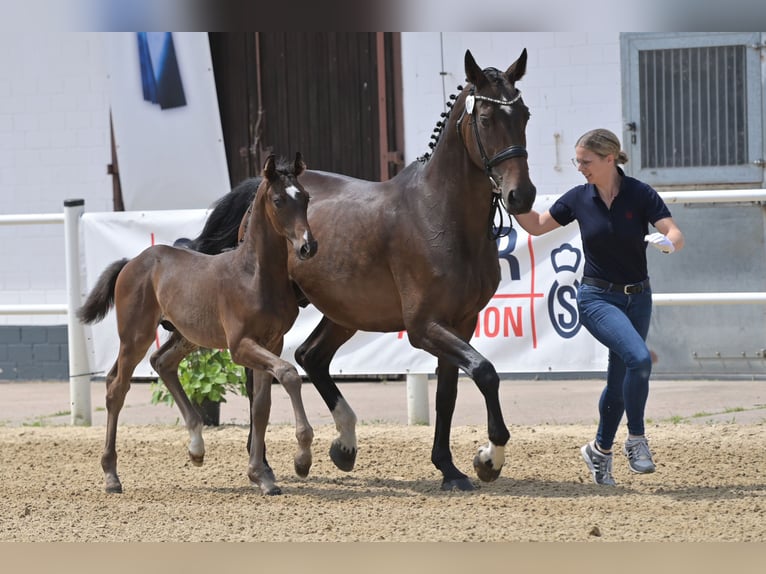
[[416, 252], [242, 300]]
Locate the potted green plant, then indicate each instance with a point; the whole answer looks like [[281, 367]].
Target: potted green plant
[[206, 375]]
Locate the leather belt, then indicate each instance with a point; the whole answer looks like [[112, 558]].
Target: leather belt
[[631, 289]]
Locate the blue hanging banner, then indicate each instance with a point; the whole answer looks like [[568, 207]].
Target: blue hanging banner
[[160, 76]]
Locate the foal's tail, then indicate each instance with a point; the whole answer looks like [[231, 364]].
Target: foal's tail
[[101, 298]]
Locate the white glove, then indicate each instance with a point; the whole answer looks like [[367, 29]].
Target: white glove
[[661, 242]]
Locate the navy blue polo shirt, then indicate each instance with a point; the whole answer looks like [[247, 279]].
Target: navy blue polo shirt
[[613, 239]]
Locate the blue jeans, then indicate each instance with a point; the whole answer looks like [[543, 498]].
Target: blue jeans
[[621, 323]]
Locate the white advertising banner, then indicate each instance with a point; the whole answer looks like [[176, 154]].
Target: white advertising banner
[[167, 126], [531, 325]]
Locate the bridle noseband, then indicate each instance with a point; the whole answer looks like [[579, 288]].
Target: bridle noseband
[[508, 153]]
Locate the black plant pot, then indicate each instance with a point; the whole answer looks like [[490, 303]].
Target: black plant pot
[[210, 411]]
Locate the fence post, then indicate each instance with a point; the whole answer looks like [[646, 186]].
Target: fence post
[[417, 399], [79, 377]]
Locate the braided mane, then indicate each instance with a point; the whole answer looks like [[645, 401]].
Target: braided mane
[[440, 126]]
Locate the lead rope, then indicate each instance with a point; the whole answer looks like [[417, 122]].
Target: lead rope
[[495, 232]]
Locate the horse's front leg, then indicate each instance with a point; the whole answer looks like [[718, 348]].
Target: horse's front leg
[[249, 353], [454, 352], [165, 361], [315, 355], [249, 390], [441, 455], [259, 473]]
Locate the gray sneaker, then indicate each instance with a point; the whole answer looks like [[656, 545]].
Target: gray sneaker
[[639, 455], [600, 464]]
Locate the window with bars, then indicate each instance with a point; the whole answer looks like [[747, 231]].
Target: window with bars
[[693, 108]]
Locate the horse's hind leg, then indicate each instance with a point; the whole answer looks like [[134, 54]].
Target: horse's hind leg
[[314, 355], [109, 456], [117, 387], [165, 361]]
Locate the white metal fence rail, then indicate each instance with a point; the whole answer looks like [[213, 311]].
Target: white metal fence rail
[[33, 309], [417, 383], [79, 379]]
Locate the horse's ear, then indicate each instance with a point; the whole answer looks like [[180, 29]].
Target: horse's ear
[[517, 70], [270, 168], [473, 73], [299, 164]]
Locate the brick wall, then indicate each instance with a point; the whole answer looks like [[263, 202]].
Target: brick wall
[[33, 352], [54, 145]]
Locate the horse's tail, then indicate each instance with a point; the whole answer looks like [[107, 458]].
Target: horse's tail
[[101, 298], [222, 225]]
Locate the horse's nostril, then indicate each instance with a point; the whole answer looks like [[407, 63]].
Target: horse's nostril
[[308, 249]]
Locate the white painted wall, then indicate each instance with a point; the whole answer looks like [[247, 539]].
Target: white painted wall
[[54, 145], [54, 126]]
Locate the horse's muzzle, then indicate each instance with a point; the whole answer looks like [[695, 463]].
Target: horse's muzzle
[[520, 200], [308, 250]]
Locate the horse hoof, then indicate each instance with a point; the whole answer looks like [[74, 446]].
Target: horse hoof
[[267, 489], [196, 459], [344, 459], [460, 484], [302, 469], [484, 469], [113, 488]]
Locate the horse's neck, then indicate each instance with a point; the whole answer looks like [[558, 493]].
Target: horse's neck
[[454, 184], [262, 247]]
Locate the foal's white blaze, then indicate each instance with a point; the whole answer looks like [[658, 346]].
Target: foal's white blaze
[[292, 191], [494, 453]]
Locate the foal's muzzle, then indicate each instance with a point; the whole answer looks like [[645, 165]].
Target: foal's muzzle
[[308, 249]]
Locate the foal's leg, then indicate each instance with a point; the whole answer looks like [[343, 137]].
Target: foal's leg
[[314, 355], [249, 390], [248, 352], [165, 361], [259, 472], [109, 456], [454, 352], [117, 386]]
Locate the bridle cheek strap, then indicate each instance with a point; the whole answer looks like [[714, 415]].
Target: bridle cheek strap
[[495, 232], [508, 153]]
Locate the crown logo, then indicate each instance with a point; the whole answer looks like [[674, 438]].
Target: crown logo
[[565, 258]]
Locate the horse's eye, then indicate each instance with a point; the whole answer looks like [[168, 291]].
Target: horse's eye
[[484, 121], [279, 201]]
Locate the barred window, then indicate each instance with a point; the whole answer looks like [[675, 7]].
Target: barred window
[[693, 107]]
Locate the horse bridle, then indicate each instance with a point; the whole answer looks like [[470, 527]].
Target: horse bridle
[[508, 153]]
